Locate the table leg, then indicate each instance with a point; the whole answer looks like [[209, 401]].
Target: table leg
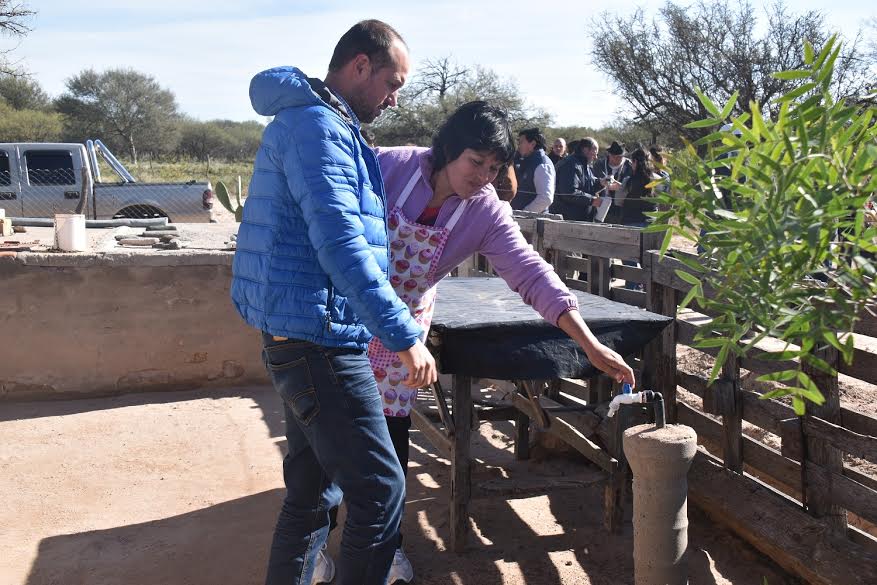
[[461, 463], [522, 436]]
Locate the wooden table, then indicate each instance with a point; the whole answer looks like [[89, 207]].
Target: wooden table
[[481, 329]]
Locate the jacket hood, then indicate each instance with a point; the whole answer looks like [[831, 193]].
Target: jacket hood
[[283, 87]]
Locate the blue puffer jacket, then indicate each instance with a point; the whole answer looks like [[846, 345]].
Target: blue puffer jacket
[[311, 260]]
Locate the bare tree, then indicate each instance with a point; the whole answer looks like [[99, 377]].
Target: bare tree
[[13, 22], [437, 77], [440, 87], [656, 65]]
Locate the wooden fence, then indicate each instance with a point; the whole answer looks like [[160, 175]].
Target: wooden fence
[[804, 504]]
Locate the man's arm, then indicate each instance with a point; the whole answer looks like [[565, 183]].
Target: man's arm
[[543, 177], [321, 171]]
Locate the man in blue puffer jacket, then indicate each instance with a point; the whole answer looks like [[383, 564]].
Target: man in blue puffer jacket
[[310, 272]]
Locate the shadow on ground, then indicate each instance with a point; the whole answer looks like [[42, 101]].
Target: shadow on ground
[[541, 540]]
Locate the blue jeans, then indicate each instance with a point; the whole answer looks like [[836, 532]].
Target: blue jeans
[[338, 443]]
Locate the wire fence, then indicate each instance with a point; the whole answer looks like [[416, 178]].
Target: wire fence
[[43, 183]]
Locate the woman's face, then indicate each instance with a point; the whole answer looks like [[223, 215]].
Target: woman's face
[[470, 172]]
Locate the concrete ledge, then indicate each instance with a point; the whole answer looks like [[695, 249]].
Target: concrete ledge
[[122, 258], [92, 324]]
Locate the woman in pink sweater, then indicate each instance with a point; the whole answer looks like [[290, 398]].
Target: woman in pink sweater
[[442, 209]]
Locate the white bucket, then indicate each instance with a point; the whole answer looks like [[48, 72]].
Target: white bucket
[[70, 232]]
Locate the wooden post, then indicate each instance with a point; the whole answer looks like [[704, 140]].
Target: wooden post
[[552, 391], [731, 409], [461, 464], [659, 363], [599, 278], [614, 494], [522, 436], [615, 490], [599, 389], [539, 237], [821, 452]]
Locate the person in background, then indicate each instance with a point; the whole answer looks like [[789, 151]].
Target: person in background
[[656, 151], [632, 198], [534, 172], [576, 192], [310, 273], [558, 151], [612, 170]]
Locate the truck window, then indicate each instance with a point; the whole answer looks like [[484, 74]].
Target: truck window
[[5, 176], [50, 167]]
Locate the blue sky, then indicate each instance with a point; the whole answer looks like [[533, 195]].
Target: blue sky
[[206, 51]]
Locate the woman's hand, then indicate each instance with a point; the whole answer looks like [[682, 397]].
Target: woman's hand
[[608, 361], [603, 358]]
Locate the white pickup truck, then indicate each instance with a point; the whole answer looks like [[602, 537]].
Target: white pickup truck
[[41, 179]]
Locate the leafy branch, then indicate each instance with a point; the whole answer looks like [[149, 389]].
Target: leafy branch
[[778, 208]]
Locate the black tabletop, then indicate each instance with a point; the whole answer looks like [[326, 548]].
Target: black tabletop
[[481, 328]]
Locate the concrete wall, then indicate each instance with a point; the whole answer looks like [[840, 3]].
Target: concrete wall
[[90, 325]]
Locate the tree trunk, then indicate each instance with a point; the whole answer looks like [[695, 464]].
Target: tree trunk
[[133, 149]]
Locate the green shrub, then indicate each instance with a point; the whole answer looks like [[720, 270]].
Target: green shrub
[[786, 245]]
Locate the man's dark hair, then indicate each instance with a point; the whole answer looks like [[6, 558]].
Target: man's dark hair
[[476, 125], [534, 134], [372, 38], [587, 143]]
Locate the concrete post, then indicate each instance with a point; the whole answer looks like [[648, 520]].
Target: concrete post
[[660, 459]]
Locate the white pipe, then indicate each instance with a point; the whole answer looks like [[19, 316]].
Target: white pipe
[[632, 398], [92, 223]]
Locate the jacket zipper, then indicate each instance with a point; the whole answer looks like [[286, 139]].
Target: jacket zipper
[[381, 195], [330, 298]]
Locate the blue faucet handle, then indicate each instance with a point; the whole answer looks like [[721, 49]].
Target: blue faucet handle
[[626, 389]]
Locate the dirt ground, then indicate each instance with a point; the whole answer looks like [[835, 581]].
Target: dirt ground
[[183, 489]]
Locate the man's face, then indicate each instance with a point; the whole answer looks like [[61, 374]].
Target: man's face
[[591, 153], [377, 89], [525, 147], [559, 147], [615, 159]]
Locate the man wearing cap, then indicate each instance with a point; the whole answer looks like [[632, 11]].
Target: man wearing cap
[[612, 170]]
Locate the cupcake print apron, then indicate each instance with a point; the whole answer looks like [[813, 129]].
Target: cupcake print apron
[[415, 250]]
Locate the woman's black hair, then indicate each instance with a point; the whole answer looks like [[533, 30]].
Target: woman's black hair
[[644, 166], [476, 125]]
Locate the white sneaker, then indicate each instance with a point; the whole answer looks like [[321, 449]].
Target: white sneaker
[[324, 571], [401, 570]]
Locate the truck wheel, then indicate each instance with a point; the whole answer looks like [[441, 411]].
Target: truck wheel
[[140, 212]]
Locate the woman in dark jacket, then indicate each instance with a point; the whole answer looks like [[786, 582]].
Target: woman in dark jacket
[[631, 200]]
